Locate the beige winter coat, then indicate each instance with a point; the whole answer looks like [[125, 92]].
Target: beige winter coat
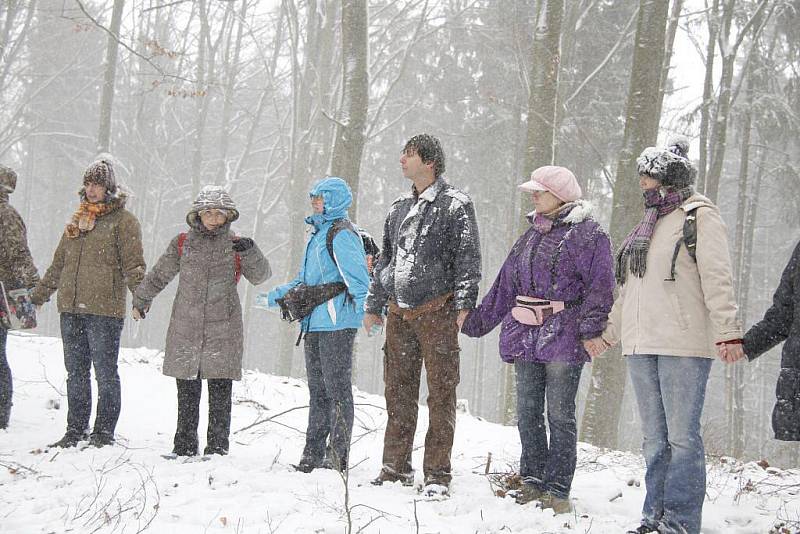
[[205, 334], [685, 317]]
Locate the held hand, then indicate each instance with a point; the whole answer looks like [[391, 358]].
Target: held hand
[[137, 314], [730, 352], [371, 320], [595, 347], [462, 316]]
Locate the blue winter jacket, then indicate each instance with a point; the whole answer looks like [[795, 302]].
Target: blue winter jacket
[[319, 268]]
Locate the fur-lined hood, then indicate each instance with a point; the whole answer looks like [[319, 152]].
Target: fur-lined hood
[[577, 212]]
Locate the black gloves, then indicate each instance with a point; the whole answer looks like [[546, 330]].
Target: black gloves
[[243, 243]]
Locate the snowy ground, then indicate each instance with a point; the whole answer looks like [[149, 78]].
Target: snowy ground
[[131, 488]]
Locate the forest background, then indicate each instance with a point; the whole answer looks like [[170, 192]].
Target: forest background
[[266, 97]]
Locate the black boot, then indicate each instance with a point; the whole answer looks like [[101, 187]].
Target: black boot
[[70, 439]]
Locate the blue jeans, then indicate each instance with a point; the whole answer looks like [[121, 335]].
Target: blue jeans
[[547, 466], [329, 364], [6, 388], [670, 392], [91, 340]]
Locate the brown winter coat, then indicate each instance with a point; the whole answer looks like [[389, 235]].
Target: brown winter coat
[[205, 337], [685, 317], [16, 265], [90, 272]]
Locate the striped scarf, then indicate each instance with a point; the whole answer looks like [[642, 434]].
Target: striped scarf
[[658, 202]]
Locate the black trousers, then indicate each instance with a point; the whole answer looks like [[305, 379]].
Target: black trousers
[[219, 416]]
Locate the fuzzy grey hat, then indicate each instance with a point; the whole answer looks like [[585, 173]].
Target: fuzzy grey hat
[[670, 165], [101, 172], [8, 179], [213, 197]]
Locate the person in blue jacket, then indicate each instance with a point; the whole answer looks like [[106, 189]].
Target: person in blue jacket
[[330, 329]]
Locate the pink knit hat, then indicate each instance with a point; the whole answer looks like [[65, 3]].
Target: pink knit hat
[[558, 180]]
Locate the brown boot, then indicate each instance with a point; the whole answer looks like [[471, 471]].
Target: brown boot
[[528, 493], [390, 475], [557, 504]]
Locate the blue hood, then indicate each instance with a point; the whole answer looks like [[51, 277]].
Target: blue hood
[[337, 196]]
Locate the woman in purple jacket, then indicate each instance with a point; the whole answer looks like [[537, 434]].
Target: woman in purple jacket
[[552, 295]]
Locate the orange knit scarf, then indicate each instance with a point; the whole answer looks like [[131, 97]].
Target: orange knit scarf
[[84, 219]]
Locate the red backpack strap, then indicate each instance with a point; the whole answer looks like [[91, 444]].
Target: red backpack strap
[[237, 266], [181, 241]]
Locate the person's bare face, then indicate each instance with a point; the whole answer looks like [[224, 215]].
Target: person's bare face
[[646, 182], [213, 219], [95, 192], [318, 204], [545, 201]]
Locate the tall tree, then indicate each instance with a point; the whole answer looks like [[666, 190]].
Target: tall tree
[[349, 143], [545, 66], [729, 53], [604, 402], [109, 78]]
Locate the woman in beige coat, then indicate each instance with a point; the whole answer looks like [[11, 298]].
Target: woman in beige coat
[[205, 337], [675, 312]]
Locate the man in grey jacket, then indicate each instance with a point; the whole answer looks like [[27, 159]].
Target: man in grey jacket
[[428, 275]]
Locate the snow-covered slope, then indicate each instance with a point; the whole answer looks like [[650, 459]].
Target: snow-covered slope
[[130, 487]]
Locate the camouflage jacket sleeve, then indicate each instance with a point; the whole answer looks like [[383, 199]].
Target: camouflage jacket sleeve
[[16, 264]]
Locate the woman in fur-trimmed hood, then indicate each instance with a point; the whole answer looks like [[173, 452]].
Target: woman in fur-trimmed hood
[[98, 257], [205, 339], [565, 256]]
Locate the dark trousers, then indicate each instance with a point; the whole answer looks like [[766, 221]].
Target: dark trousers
[[6, 388], [91, 340], [329, 364], [427, 334], [219, 416], [548, 466]]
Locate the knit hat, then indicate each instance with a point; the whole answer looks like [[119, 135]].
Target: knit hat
[[101, 172], [670, 165], [558, 180], [213, 197], [8, 179]]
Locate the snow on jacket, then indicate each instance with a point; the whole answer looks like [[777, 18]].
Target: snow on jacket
[[781, 322], [430, 248], [205, 336], [91, 271], [687, 316], [16, 264], [345, 310], [572, 263]]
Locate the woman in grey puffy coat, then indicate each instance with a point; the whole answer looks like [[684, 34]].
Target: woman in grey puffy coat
[[205, 338]]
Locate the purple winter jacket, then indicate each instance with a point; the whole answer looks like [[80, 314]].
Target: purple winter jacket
[[572, 263]]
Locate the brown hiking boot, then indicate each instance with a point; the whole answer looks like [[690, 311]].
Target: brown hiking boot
[[388, 474], [528, 493], [557, 504]]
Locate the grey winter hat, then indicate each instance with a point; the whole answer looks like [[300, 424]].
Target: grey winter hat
[[101, 172], [670, 165], [8, 179], [213, 197]]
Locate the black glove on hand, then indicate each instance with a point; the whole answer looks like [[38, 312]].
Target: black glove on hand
[[242, 244]]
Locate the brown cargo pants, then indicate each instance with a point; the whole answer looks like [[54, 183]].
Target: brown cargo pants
[[426, 334]]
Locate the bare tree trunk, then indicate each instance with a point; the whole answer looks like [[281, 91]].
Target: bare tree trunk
[[543, 82], [672, 30], [231, 73], [708, 94], [107, 96], [725, 101], [349, 144], [606, 390]]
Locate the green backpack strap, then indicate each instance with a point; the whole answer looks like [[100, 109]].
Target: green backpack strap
[[689, 239]]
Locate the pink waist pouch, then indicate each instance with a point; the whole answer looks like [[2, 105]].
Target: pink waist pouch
[[534, 311]]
